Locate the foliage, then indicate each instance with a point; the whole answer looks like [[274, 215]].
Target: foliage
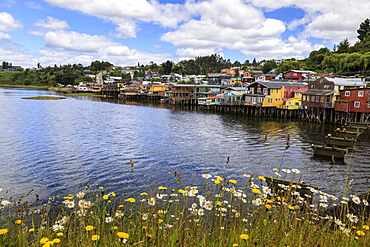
[[221, 212], [269, 65], [363, 29]]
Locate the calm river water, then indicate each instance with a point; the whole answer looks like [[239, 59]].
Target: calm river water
[[58, 147]]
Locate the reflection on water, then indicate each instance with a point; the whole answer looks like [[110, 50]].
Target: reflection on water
[[57, 147]]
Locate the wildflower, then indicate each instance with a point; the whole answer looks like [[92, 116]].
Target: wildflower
[[144, 194], [160, 220], [365, 202], [324, 205], [360, 233], [70, 204], [233, 181], [151, 201], [132, 200], [244, 236], [201, 212], [95, 237], [256, 191], [56, 240], [43, 240], [268, 206], [217, 181], [352, 218], [266, 190], [356, 199], [162, 188], [277, 174], [220, 178], [89, 228], [208, 205], [119, 214], [247, 175], [80, 194], [262, 178], [123, 236], [3, 231], [59, 234], [18, 222], [338, 222], [108, 219], [286, 170], [235, 245], [57, 227], [291, 207], [296, 171], [144, 216], [5, 202], [365, 227], [207, 176], [257, 202], [31, 230]]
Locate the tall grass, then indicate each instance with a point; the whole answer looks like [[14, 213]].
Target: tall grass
[[222, 212]]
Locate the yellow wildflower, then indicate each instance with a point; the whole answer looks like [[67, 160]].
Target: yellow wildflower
[[113, 194], [149, 235], [234, 245], [244, 236], [3, 231], [268, 206], [291, 207], [144, 194], [43, 240], [262, 178], [31, 229], [217, 181], [256, 191], [160, 220], [106, 197], [360, 233], [160, 211], [233, 181], [56, 240], [269, 201], [59, 234], [18, 222], [122, 235], [162, 188], [220, 178], [95, 237], [182, 191], [89, 228], [365, 227], [131, 200]]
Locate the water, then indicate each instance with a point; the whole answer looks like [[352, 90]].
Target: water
[[58, 147]]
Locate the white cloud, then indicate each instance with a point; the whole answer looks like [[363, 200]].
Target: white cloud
[[8, 23], [4, 36], [52, 23], [34, 5], [16, 54], [127, 13], [71, 40], [192, 52]]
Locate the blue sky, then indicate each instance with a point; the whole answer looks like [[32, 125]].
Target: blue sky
[[127, 32]]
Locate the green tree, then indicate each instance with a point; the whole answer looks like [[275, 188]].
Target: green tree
[[167, 67], [363, 29], [343, 46], [268, 66]]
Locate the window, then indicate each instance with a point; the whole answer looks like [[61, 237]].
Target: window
[[347, 93], [357, 104], [360, 93], [317, 98], [308, 98], [289, 103], [277, 99], [304, 97], [368, 104], [269, 101], [277, 90], [312, 98]]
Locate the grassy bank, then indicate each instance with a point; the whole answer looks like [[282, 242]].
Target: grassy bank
[[23, 86], [222, 212], [44, 98]]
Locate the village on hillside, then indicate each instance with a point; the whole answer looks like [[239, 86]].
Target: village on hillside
[[293, 89]]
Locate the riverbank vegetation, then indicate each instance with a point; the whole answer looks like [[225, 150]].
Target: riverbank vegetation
[[44, 98], [221, 212]]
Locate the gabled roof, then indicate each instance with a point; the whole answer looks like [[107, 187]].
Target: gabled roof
[[350, 82], [277, 84]]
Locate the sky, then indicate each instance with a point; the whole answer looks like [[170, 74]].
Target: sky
[[128, 32]]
